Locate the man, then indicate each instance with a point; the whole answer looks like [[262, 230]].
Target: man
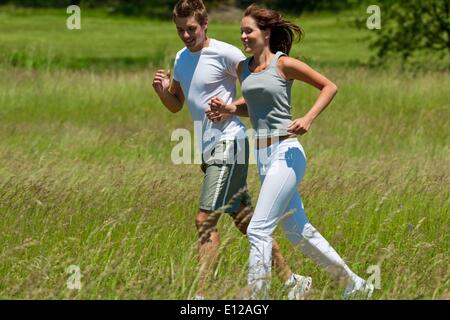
[[204, 69]]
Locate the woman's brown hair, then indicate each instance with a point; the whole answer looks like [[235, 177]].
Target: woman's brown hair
[[283, 32]]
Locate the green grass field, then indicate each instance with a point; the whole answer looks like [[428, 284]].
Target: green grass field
[[86, 177]]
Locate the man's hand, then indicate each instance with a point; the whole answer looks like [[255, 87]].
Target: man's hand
[[217, 110], [161, 82]]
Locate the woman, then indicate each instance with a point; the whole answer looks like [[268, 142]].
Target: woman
[[266, 81]]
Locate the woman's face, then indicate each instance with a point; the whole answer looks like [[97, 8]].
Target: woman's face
[[191, 33], [253, 38]]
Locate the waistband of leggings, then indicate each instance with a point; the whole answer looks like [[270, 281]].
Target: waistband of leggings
[[274, 145]]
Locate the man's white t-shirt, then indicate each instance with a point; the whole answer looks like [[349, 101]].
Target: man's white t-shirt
[[203, 75]]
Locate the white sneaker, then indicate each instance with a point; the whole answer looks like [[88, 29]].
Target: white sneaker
[[301, 287], [199, 297], [360, 290]]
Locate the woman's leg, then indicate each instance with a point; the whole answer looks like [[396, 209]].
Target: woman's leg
[[301, 233], [242, 220], [279, 182]]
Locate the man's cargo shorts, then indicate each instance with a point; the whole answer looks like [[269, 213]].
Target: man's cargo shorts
[[225, 180]]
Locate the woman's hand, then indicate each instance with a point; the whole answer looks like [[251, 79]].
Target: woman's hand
[[300, 126]]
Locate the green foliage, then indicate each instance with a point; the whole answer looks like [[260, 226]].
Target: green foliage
[[413, 26]]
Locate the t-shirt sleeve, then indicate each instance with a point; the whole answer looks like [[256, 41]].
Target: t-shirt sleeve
[[176, 68], [232, 59]]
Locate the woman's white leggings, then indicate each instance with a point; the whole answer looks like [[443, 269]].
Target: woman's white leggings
[[281, 167]]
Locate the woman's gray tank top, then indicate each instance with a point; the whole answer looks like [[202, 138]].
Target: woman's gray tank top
[[268, 98]]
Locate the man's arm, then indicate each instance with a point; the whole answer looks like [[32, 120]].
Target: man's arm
[[170, 95]]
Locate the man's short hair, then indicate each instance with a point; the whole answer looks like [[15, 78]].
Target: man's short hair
[[191, 8]]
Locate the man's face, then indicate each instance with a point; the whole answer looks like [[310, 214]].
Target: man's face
[[191, 33]]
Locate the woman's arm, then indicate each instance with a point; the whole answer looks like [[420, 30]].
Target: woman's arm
[[294, 69], [238, 107]]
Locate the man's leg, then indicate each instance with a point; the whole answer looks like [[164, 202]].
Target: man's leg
[[208, 245], [218, 174]]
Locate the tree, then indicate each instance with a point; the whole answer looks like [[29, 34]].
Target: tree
[[410, 26]]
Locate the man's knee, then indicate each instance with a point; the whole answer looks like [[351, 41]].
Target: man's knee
[[206, 223], [201, 218], [242, 218]]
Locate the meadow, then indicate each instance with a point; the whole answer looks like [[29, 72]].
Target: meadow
[[86, 177]]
